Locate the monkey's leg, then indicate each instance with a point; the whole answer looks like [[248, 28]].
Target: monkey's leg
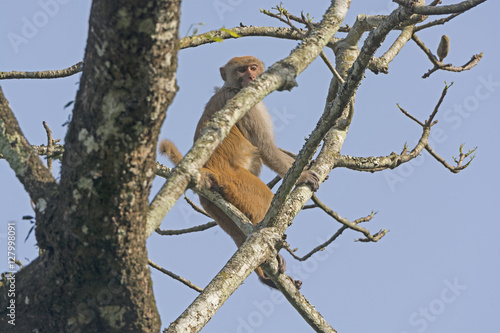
[[232, 230], [223, 221], [252, 197]]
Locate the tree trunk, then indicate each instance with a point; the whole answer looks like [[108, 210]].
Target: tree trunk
[[93, 274]]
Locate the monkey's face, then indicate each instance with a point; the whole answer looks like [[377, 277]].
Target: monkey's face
[[240, 71], [246, 74]]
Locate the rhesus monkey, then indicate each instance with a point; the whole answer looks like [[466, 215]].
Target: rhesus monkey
[[234, 167]]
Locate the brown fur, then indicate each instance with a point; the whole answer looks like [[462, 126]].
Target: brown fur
[[236, 163], [168, 149]]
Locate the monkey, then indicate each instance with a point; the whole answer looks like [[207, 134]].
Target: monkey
[[235, 165]]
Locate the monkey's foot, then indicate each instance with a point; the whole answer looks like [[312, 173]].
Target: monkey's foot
[[297, 283]]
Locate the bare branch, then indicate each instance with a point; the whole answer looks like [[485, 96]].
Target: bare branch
[[35, 177], [42, 150], [372, 164], [175, 276], [439, 10], [351, 225], [318, 248], [459, 167], [196, 207], [201, 227], [440, 21], [398, 44], [406, 113], [220, 35], [284, 12], [297, 299], [50, 146], [302, 19], [467, 66], [346, 225], [428, 123], [440, 65], [50, 74]]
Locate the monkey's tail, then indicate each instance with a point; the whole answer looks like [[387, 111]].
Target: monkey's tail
[[168, 149]]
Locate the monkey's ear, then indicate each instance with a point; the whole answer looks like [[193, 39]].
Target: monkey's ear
[[223, 73]]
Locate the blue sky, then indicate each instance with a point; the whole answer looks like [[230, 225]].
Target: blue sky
[[435, 271]]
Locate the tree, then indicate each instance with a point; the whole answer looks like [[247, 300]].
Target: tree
[[90, 209]]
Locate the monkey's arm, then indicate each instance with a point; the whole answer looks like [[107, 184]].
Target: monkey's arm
[[257, 127]]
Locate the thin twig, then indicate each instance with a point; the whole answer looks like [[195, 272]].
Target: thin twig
[[462, 156], [317, 248], [429, 122], [435, 22], [310, 25], [351, 225], [195, 206], [406, 113], [50, 146], [439, 10], [175, 276], [197, 228], [346, 225], [448, 67]]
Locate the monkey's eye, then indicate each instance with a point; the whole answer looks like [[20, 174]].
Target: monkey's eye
[[241, 69], [253, 68]]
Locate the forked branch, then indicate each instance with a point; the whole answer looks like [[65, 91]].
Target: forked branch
[[372, 164], [441, 65]]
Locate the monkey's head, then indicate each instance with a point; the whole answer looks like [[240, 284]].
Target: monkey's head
[[240, 71]]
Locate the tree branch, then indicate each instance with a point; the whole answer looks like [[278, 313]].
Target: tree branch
[[460, 166], [372, 164], [29, 169], [310, 26], [317, 248], [440, 65], [201, 227], [175, 276], [440, 21], [42, 150], [50, 146], [351, 225], [237, 32], [439, 10], [50, 74]]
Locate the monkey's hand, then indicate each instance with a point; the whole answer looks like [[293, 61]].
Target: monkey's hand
[[297, 283], [309, 178], [207, 180]]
